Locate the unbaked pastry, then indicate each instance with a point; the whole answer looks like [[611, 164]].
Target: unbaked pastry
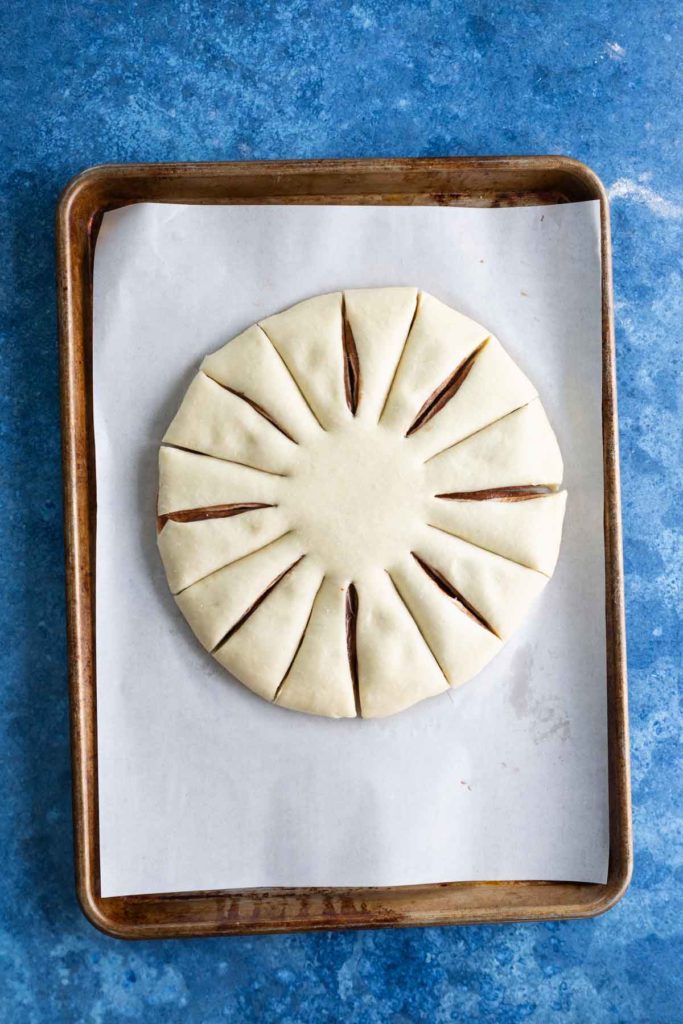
[[358, 502]]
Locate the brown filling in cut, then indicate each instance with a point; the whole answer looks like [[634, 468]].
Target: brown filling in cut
[[447, 587], [443, 394], [351, 646], [521, 493], [195, 515], [220, 458], [293, 379], [351, 365]]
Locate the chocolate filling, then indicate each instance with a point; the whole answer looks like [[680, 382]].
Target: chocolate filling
[[521, 493], [351, 364], [447, 587], [443, 394], [351, 646], [195, 515]]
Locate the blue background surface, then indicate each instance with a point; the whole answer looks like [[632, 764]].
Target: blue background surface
[[93, 82]]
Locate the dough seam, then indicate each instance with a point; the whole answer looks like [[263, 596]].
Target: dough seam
[[235, 561], [400, 358], [490, 551], [352, 378], [298, 646], [294, 380], [474, 433], [218, 458]]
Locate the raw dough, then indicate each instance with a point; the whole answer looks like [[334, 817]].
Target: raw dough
[[358, 502]]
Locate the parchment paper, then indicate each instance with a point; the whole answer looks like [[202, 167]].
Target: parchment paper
[[201, 784]]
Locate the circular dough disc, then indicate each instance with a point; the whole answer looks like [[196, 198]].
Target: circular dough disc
[[358, 502]]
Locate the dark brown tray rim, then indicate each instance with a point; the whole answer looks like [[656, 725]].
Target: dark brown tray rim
[[470, 181]]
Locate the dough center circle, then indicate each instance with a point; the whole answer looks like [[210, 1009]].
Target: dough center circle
[[355, 497]]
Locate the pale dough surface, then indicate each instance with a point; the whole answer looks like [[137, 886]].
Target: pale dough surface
[[336, 519]]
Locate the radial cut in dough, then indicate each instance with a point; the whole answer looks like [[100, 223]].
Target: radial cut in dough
[[358, 502]]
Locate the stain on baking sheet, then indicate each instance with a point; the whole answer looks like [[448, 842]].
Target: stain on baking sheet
[[545, 715]]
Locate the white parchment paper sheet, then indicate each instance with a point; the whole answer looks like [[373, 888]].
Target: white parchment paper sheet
[[201, 784]]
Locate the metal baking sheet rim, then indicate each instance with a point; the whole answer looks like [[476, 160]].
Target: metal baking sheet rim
[[463, 181]]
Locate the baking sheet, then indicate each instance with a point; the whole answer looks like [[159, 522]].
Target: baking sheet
[[204, 786]]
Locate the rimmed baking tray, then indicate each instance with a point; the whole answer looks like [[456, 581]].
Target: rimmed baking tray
[[477, 182]]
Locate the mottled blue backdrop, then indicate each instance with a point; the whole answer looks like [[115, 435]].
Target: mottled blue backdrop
[[88, 82]]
